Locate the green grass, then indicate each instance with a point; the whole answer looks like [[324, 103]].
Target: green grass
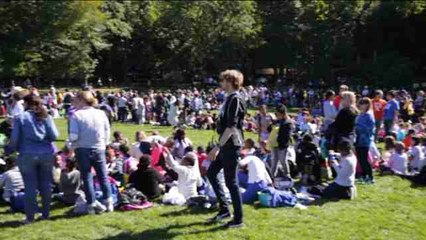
[[391, 209]]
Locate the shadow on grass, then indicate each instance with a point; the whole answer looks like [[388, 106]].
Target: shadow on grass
[[187, 211], [417, 181], [15, 224], [166, 232], [11, 224]]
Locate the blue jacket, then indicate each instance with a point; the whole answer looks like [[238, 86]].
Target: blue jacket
[[30, 136], [364, 129]]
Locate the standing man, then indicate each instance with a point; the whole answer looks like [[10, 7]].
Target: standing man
[[230, 128]]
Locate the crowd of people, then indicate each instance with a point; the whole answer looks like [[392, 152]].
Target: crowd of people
[[322, 150]]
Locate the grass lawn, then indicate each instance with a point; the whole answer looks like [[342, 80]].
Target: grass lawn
[[391, 209]]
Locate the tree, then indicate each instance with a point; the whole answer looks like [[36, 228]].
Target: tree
[[51, 40]]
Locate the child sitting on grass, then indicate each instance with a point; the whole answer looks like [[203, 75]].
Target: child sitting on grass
[[11, 181], [70, 183], [249, 147], [417, 155], [307, 158], [343, 186], [397, 163], [408, 140], [390, 143], [146, 179]]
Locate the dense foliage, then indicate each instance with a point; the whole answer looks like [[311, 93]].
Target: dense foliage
[[374, 41]]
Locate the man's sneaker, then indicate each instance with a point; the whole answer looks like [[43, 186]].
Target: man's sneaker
[[219, 217], [369, 181], [360, 180], [26, 221], [233, 224]]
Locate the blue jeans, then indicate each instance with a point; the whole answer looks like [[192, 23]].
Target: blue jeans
[[36, 170], [250, 195], [88, 158]]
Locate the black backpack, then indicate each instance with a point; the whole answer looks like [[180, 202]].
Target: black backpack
[[307, 154], [131, 196]]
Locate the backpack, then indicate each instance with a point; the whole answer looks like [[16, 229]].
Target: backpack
[[131, 196], [307, 155]]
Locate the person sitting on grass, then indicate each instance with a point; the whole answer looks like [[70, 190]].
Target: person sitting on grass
[[56, 172], [115, 166], [136, 148], [343, 186], [408, 140], [249, 147], [390, 143], [397, 163], [188, 175], [181, 142], [119, 140], [307, 158], [70, 183], [201, 155], [418, 156], [11, 181], [258, 178], [146, 179]]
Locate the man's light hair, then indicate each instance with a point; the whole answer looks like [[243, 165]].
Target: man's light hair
[[233, 76]]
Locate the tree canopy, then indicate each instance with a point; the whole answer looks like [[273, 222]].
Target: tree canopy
[[374, 41]]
